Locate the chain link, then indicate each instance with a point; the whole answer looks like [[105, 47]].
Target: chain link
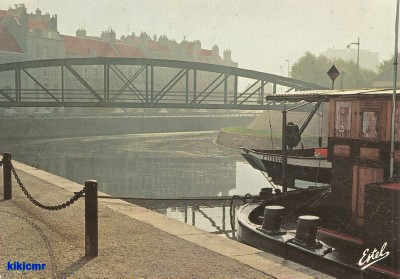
[[47, 207]]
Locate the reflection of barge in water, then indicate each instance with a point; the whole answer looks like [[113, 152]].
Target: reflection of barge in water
[[350, 229]]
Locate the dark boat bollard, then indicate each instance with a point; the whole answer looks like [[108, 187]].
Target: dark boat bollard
[[271, 222], [266, 193], [306, 233]]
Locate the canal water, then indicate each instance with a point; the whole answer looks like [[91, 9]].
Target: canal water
[[157, 165]]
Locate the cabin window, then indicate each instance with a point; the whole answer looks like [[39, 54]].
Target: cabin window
[[370, 125], [343, 119]]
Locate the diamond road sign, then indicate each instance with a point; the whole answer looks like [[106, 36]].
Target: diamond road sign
[[333, 73]]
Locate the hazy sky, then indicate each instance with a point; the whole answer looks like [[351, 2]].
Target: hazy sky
[[262, 34]]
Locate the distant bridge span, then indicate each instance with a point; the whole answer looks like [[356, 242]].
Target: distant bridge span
[[136, 83]]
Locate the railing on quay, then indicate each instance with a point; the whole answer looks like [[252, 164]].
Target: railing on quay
[[91, 203], [90, 193]]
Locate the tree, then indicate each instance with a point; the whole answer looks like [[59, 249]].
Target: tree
[[385, 64], [314, 69]]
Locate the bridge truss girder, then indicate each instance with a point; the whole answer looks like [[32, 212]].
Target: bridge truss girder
[[137, 83]]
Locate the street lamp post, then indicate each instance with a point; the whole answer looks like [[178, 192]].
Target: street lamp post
[[287, 60], [358, 59], [281, 75]]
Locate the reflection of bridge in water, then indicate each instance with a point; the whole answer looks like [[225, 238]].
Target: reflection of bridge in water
[[213, 214], [136, 83]]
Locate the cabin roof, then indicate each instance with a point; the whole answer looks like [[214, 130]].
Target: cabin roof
[[325, 95]]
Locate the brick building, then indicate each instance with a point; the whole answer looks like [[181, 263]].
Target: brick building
[[31, 36]]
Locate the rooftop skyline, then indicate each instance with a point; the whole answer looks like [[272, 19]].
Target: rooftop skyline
[[261, 36]]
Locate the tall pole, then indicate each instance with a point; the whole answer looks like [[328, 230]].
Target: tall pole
[[281, 75], [288, 68], [358, 62], [358, 59], [394, 92], [284, 152]]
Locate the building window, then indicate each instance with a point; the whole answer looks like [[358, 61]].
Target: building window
[[45, 52], [37, 52]]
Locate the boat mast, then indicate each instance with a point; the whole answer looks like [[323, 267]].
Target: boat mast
[[394, 92]]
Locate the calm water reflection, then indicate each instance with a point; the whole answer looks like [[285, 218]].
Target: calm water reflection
[[164, 165]]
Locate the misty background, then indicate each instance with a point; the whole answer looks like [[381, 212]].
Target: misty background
[[262, 35]]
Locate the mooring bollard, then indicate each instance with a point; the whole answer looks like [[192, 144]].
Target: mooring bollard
[[91, 219], [7, 175]]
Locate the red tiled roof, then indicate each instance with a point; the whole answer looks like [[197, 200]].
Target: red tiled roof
[[8, 42], [83, 46], [37, 24], [205, 52], [2, 14], [156, 46], [129, 51]]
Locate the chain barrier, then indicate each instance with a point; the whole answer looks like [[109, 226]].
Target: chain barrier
[[47, 207]]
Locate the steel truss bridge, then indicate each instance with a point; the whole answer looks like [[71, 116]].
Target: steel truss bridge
[[137, 83]]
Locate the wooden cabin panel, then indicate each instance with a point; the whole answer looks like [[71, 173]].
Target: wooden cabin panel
[[361, 177], [397, 155], [342, 118], [369, 153], [341, 150], [355, 132], [396, 124], [389, 119], [331, 118]]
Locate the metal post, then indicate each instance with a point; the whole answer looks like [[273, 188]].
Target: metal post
[[7, 176], [91, 219], [223, 218], [235, 90], [62, 84], [193, 216], [262, 92], [151, 83], [284, 152], [393, 122], [147, 84], [358, 62], [186, 213], [226, 90], [187, 87], [194, 86]]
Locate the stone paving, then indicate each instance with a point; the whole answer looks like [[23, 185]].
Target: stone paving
[[133, 242]]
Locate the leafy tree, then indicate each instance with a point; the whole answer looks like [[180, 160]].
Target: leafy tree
[[385, 64], [314, 69]]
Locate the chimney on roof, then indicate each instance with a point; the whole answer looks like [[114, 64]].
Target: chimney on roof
[[227, 55], [38, 12], [163, 40], [215, 50], [81, 33], [109, 36], [53, 23], [197, 46]]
